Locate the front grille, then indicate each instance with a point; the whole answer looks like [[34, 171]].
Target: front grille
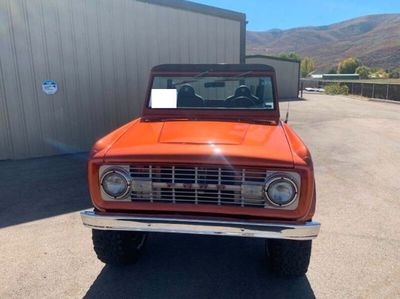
[[198, 185]]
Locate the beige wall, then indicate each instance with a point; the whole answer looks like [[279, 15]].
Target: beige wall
[[287, 74], [100, 53]]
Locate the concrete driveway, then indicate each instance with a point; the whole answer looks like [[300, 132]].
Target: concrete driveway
[[46, 252]]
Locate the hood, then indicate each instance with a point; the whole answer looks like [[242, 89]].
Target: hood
[[197, 132], [208, 142]]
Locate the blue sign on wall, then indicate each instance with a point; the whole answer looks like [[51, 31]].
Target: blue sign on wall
[[49, 87]]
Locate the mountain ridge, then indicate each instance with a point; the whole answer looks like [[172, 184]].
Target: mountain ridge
[[374, 39]]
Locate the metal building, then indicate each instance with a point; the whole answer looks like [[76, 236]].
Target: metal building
[[72, 70], [287, 73]]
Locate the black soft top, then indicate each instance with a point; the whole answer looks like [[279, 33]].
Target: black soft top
[[213, 68]]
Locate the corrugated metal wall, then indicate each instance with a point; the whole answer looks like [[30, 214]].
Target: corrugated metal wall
[[100, 53], [287, 74]]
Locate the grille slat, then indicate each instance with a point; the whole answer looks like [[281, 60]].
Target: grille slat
[[223, 202], [195, 185], [196, 192]]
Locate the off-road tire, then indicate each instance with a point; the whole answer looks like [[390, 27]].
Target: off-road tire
[[288, 257], [118, 247]]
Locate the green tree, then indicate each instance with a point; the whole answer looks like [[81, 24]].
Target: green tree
[[363, 71], [306, 66], [332, 70], [290, 55], [348, 66], [378, 73], [395, 73]]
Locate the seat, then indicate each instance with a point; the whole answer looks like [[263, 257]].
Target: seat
[[188, 98], [242, 98]]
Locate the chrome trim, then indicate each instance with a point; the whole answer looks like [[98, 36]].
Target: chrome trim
[[276, 178], [307, 231], [211, 185]]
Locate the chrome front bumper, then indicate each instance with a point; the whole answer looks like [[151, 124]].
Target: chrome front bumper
[[306, 231]]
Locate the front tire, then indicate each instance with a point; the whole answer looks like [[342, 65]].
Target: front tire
[[289, 257], [118, 247]]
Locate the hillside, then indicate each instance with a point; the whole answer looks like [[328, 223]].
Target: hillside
[[374, 39]]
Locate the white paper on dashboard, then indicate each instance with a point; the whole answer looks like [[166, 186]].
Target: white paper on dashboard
[[163, 98]]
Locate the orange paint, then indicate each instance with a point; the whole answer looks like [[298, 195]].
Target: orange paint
[[253, 140]]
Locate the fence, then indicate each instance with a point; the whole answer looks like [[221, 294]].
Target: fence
[[370, 90]]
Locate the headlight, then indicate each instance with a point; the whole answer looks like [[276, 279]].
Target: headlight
[[280, 191], [115, 183]]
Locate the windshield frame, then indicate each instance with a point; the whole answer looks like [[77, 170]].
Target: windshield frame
[[206, 113]]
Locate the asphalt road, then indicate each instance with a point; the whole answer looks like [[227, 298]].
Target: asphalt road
[[45, 252]]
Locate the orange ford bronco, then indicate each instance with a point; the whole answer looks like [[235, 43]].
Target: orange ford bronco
[[209, 155]]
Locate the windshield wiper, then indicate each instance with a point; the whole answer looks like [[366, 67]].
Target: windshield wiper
[[192, 80], [243, 74], [199, 75], [234, 78]]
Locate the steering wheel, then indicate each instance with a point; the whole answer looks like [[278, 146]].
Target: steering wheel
[[240, 102], [242, 98]]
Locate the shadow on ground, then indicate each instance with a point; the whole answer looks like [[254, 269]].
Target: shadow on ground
[[39, 188], [292, 100], [184, 266]]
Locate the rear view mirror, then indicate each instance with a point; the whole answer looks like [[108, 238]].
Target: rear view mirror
[[214, 84]]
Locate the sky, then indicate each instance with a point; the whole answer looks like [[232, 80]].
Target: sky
[[284, 14]]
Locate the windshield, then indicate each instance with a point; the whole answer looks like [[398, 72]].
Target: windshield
[[205, 91]]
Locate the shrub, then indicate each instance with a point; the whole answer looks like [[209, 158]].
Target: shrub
[[290, 55], [332, 70], [379, 73], [306, 66], [363, 71], [395, 73], [348, 66], [336, 88]]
